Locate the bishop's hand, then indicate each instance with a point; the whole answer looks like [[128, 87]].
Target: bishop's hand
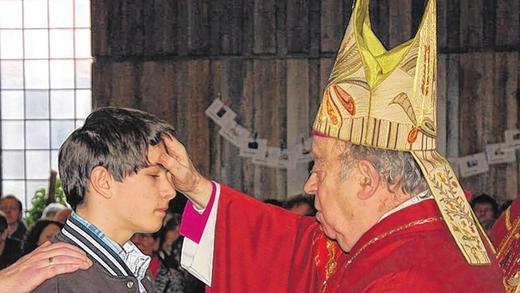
[[184, 175]]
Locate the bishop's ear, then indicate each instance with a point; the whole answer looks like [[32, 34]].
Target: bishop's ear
[[369, 179], [101, 181]]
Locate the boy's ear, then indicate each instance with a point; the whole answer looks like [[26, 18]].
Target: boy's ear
[[369, 180], [101, 181]]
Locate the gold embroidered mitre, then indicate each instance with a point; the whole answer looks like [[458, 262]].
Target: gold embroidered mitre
[[387, 99]]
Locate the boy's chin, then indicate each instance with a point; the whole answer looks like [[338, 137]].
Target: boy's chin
[[152, 228]]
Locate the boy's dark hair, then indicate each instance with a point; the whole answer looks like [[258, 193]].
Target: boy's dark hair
[[484, 198], [114, 138]]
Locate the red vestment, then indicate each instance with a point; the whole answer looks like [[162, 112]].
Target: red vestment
[[505, 234], [263, 248]]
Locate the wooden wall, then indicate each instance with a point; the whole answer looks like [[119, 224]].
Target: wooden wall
[[271, 59]]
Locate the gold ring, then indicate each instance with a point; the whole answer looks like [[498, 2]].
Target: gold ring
[[51, 261]]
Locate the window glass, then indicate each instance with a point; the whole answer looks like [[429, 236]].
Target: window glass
[[12, 104], [13, 165], [45, 87], [11, 44]]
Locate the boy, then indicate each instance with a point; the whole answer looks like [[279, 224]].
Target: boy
[[112, 179]]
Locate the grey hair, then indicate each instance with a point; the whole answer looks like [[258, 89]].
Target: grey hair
[[391, 166]]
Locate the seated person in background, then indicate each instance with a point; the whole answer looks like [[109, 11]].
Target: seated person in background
[[168, 234], [10, 249], [113, 182], [51, 210], [302, 205], [486, 209], [45, 262], [63, 215], [42, 231], [148, 243], [12, 207], [172, 278], [505, 234]]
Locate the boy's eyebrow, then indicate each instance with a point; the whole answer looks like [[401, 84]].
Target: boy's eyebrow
[[153, 167]]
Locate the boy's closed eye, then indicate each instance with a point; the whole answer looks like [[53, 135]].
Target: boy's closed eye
[[154, 171]]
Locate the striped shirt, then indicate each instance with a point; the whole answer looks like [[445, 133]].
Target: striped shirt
[[118, 261]]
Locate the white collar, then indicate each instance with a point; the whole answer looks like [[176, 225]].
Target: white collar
[[409, 202]]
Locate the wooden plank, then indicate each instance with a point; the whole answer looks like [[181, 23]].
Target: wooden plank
[[380, 20], [442, 24], [127, 27], [241, 167], [452, 105], [248, 27], [183, 27], [114, 28], [217, 142], [473, 108], [441, 104], [101, 83], [298, 13], [453, 25], [488, 24], [199, 100], [177, 71], [157, 89], [264, 27], [314, 28], [198, 33], [217, 14], [124, 88], [400, 22], [151, 17], [487, 100], [99, 27], [232, 33], [505, 84], [269, 122], [193, 27], [248, 110], [507, 27], [331, 25], [226, 81], [160, 17], [192, 101], [326, 65], [280, 8], [297, 118], [471, 24], [315, 92]]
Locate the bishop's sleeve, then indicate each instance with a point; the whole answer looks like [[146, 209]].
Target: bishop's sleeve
[[256, 247]]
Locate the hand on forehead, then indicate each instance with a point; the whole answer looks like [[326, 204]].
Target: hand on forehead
[[155, 152]]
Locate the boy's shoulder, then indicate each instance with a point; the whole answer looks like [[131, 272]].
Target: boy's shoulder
[[93, 279]]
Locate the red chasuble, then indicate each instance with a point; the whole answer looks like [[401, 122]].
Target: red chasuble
[[505, 234], [263, 248]]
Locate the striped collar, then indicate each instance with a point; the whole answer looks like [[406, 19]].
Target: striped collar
[[76, 231]]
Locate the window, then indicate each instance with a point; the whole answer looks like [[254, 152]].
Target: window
[[45, 89]]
